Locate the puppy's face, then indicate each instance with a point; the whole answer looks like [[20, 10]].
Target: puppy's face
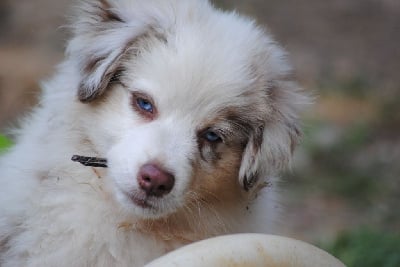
[[185, 131], [196, 110], [170, 156]]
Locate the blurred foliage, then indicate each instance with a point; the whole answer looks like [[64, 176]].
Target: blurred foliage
[[390, 113], [332, 166], [367, 248], [357, 86], [4, 143]]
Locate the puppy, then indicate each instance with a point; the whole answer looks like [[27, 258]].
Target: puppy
[[193, 108]]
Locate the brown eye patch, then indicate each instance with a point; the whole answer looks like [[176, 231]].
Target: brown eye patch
[[208, 140], [230, 130], [144, 105]]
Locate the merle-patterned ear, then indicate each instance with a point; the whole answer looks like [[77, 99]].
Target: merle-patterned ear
[[97, 75], [249, 170], [102, 36], [270, 147]]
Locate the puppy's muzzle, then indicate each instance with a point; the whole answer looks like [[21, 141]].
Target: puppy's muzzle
[[155, 181]]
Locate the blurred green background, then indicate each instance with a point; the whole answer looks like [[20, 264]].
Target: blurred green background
[[343, 192]]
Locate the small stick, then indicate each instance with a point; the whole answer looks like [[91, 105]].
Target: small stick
[[90, 161]]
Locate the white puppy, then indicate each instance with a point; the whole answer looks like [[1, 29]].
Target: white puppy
[[196, 113]]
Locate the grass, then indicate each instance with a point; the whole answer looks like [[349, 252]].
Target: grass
[[5, 143], [367, 248]]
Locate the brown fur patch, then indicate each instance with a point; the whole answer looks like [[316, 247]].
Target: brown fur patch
[[3, 245], [247, 126], [294, 135], [106, 13], [217, 183]]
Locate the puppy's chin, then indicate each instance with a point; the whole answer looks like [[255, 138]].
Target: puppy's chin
[[139, 205]]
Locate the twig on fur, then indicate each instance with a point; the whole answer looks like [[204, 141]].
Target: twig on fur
[[90, 161]]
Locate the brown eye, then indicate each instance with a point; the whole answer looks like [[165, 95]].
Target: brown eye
[[143, 105]]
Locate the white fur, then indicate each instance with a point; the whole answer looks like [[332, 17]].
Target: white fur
[[54, 212]]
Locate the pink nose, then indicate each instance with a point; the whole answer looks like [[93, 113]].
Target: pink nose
[[155, 181]]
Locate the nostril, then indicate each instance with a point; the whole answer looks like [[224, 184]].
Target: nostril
[[162, 188], [155, 181]]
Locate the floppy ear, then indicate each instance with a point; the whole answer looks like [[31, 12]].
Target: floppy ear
[[102, 36], [270, 147], [249, 169]]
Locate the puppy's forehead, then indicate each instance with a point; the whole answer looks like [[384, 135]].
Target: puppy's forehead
[[194, 75], [205, 62]]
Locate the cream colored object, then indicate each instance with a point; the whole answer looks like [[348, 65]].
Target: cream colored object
[[248, 250]]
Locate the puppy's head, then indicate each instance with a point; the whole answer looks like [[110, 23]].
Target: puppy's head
[[192, 106]]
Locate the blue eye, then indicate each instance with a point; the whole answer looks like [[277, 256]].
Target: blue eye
[[145, 105], [212, 137]]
